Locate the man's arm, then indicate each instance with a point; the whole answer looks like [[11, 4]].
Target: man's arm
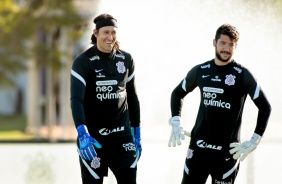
[[241, 151], [264, 110], [187, 85], [260, 100], [133, 103], [77, 91], [134, 110], [176, 103], [86, 143]]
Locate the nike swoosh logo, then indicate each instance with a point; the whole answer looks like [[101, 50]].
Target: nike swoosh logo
[[98, 70], [204, 76], [227, 159]]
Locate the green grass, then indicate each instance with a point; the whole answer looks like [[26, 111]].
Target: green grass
[[13, 128]]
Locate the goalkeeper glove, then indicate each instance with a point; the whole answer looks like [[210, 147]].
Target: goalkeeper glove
[[86, 142], [177, 132], [136, 132], [242, 150]]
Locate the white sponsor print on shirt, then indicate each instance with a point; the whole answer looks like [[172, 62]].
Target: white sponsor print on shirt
[[93, 58], [206, 66], [216, 79], [120, 56], [210, 95], [205, 76], [239, 70], [105, 89]]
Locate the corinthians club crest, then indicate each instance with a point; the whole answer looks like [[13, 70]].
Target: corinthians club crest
[[120, 67], [230, 79]]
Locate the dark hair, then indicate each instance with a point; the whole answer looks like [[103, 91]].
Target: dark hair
[[229, 30], [97, 19]]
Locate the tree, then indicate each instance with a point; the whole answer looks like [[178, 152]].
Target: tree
[[33, 27], [33, 37], [12, 54]]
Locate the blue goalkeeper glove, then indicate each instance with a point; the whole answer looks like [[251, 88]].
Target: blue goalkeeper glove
[[86, 142], [136, 132]]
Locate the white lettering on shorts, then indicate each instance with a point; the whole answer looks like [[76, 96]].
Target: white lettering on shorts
[[203, 144], [129, 146], [105, 131]]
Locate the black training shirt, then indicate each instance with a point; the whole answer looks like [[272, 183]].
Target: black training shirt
[[103, 95], [223, 93]]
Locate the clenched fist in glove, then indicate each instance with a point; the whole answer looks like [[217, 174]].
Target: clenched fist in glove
[[86, 144], [177, 132], [242, 150]]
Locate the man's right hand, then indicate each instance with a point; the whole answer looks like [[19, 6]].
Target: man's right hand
[[177, 132], [86, 142]]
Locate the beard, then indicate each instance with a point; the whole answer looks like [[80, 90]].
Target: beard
[[220, 58]]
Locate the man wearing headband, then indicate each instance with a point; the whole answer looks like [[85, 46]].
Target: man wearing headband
[[105, 107]]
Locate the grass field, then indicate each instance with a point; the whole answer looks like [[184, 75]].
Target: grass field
[[13, 128]]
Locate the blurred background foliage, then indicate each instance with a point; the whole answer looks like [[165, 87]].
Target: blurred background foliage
[[25, 27], [38, 37]]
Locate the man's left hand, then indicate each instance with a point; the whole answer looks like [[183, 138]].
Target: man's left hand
[[243, 150]]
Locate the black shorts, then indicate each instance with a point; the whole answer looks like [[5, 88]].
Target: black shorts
[[201, 163], [117, 154]]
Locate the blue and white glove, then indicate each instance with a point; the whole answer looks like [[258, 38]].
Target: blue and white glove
[[177, 132], [136, 132], [242, 150], [86, 143]]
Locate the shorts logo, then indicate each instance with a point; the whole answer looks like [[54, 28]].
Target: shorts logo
[[230, 80], [189, 153], [120, 67], [95, 163], [129, 146], [105, 131], [203, 144]]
